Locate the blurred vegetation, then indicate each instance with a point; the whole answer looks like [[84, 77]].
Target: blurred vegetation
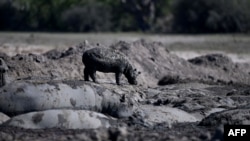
[[209, 16], [154, 16]]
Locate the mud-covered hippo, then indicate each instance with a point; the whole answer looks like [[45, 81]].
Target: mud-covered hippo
[[108, 61], [60, 118]]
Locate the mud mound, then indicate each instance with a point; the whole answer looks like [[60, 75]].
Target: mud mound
[[213, 61], [211, 69], [53, 54], [29, 58], [166, 80], [157, 63], [57, 54], [154, 61], [151, 58], [29, 66]]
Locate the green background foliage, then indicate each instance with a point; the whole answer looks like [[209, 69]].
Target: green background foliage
[[153, 16], [206, 16]]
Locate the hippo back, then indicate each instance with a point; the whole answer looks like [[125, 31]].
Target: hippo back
[[104, 59]]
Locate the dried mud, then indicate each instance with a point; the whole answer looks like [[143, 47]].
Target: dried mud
[[210, 88]]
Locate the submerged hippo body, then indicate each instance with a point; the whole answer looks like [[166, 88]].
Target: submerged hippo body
[[107, 60]]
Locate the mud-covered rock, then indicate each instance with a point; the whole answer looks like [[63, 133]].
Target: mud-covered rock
[[170, 79], [229, 117]]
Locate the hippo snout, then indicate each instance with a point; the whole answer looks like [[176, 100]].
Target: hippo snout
[[132, 82]]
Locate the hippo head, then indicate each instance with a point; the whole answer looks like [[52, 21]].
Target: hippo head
[[131, 75]]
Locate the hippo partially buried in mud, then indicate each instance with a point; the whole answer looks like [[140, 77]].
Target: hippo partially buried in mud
[[108, 60]]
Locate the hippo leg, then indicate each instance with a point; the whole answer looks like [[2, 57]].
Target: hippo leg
[[2, 77], [93, 76], [117, 77], [86, 74]]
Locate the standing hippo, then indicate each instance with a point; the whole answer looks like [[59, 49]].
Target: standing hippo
[[107, 60]]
